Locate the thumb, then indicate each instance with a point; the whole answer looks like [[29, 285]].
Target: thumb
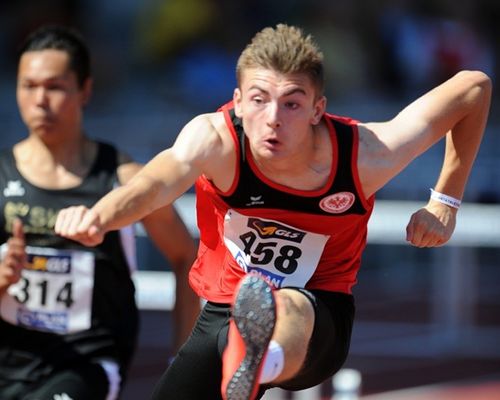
[[90, 224], [409, 230], [91, 228], [17, 229]]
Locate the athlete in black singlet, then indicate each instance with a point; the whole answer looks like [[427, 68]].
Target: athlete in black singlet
[[68, 318]]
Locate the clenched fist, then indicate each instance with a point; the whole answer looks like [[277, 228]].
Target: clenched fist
[[431, 226], [81, 224]]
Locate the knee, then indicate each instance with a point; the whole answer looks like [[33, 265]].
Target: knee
[[294, 305], [295, 315]]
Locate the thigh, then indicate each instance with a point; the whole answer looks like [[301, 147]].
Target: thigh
[[330, 340], [83, 382], [196, 371]]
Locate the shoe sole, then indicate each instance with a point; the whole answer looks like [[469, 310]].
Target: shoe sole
[[254, 313]]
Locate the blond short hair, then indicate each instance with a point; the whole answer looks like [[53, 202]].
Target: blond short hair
[[284, 49]]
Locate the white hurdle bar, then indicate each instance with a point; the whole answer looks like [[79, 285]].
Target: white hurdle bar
[[477, 225]]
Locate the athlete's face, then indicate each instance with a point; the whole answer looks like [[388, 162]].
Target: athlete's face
[[48, 95], [278, 111]]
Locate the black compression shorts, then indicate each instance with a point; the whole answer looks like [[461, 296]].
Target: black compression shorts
[[330, 340], [196, 372]]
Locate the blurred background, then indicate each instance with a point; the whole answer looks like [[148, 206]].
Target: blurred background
[[424, 316]]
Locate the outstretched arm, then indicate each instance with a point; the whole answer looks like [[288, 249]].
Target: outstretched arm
[[457, 109], [163, 179]]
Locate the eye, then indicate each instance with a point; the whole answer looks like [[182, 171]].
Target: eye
[[257, 99], [291, 105], [27, 85], [55, 86]]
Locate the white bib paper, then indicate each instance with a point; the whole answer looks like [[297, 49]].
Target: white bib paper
[[54, 293], [284, 255]]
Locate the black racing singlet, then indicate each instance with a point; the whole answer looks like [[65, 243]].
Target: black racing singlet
[[60, 313]]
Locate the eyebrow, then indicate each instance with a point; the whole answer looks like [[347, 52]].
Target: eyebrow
[[289, 93]]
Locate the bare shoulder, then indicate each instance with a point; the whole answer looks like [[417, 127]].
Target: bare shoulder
[[206, 142], [206, 132]]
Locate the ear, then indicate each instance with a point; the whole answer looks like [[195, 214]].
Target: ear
[[237, 97], [87, 90], [319, 110]]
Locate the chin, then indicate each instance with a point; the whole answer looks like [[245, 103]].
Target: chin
[[45, 135]]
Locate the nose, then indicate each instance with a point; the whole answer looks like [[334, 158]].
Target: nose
[[41, 96], [273, 116]]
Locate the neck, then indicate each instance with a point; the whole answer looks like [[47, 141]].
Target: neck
[[69, 154], [55, 165]]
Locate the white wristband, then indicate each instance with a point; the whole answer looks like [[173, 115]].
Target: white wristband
[[445, 199]]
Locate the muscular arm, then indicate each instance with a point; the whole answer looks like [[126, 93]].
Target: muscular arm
[[457, 109], [199, 148]]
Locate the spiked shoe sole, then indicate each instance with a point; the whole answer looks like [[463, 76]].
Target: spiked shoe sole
[[254, 314]]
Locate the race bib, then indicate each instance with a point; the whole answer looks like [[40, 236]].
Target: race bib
[[54, 293], [282, 254]]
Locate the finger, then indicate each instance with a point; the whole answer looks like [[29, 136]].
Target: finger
[[89, 223], [16, 266], [94, 231], [67, 220], [426, 241], [440, 242], [59, 221], [436, 241], [18, 229], [74, 223], [91, 228], [410, 230], [416, 235], [62, 219], [14, 262]]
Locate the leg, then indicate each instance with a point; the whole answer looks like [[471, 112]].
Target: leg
[[195, 372], [294, 327], [329, 343], [257, 313], [312, 327]]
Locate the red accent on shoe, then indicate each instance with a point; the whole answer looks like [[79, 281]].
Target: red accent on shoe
[[250, 330]]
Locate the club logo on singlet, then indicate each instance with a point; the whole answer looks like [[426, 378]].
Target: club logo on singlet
[[14, 188], [337, 203]]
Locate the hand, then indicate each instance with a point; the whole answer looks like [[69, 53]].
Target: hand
[[431, 226], [15, 257], [81, 224]]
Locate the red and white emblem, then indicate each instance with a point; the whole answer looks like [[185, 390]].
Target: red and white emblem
[[337, 203]]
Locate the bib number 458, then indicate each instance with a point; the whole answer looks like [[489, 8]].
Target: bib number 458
[[284, 258]]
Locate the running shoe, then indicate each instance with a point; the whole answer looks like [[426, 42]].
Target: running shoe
[[250, 330]]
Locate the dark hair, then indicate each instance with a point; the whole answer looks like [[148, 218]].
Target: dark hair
[[65, 39]]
